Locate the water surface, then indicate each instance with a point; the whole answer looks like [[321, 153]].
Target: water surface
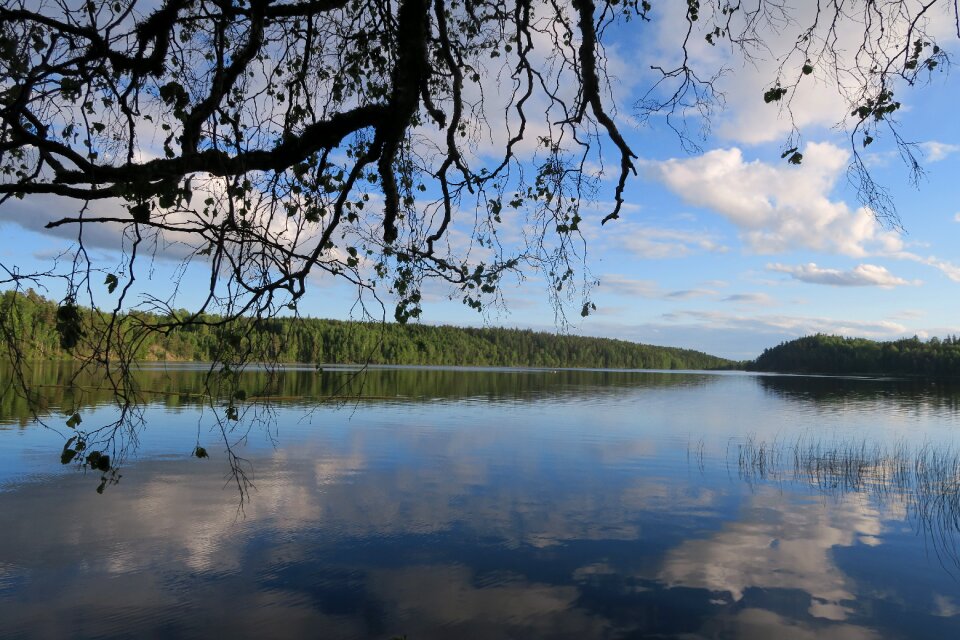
[[495, 503]]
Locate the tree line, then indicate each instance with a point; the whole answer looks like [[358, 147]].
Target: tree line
[[839, 355], [36, 328]]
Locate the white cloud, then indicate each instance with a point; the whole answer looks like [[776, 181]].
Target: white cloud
[[863, 275], [779, 208], [654, 243], [823, 99], [791, 326], [749, 299], [628, 286], [937, 151], [948, 269], [623, 285], [909, 314], [956, 216], [744, 117], [744, 334], [687, 294]]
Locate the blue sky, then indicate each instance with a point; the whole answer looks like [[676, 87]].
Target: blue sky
[[728, 250]]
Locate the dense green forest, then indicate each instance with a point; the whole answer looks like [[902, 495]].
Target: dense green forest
[[839, 355], [37, 325]]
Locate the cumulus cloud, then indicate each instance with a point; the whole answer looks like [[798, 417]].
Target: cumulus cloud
[[863, 275], [745, 118], [778, 207]]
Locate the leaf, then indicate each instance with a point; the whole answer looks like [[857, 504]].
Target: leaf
[[140, 212], [68, 453], [773, 95], [111, 281], [200, 452], [69, 324], [796, 158], [74, 421], [99, 461]]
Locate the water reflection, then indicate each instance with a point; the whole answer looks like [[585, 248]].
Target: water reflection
[[182, 385], [560, 510], [842, 392]]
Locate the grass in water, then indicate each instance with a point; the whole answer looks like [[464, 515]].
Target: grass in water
[[925, 478]]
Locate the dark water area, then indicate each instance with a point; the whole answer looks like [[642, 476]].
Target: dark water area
[[459, 503]]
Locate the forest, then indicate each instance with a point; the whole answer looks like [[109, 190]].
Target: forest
[[839, 355], [35, 328]]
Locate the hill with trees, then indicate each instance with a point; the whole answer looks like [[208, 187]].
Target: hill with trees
[[839, 355], [39, 327]]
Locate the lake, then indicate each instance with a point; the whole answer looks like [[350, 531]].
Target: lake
[[469, 503]]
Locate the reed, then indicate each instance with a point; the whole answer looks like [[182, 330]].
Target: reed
[[924, 477]]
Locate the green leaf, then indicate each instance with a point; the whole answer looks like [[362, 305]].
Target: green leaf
[[111, 282], [74, 421], [200, 452]]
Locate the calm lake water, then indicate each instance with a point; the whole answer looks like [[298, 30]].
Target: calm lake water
[[495, 504]]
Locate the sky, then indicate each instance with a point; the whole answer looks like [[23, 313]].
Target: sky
[[728, 249]]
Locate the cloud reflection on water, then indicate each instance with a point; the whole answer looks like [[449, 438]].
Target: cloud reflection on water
[[443, 521]]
